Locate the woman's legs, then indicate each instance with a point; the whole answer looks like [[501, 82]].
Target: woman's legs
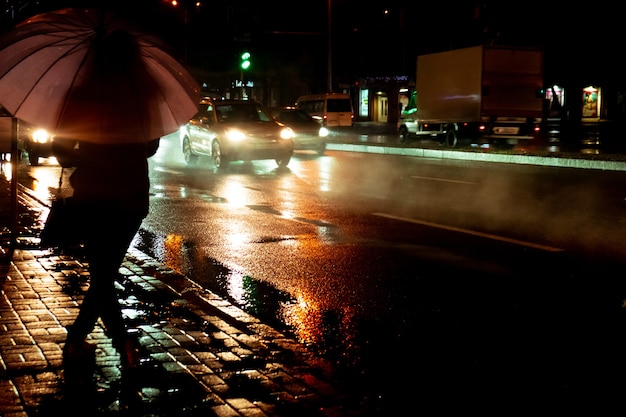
[[99, 301], [106, 245]]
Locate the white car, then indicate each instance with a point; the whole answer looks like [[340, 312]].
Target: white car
[[235, 130]]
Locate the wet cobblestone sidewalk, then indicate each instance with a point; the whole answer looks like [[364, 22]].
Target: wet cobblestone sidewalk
[[200, 354]]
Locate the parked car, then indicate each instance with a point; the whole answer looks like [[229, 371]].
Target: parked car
[[32, 142], [309, 133], [235, 130]]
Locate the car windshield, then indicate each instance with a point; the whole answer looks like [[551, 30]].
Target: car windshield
[[241, 112]]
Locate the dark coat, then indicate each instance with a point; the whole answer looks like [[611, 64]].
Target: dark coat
[[108, 176]]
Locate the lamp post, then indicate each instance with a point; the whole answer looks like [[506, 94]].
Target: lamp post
[[330, 54], [185, 8]]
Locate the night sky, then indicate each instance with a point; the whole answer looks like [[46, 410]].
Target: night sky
[[383, 38]]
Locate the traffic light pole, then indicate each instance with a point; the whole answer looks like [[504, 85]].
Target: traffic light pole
[[244, 65], [243, 88]]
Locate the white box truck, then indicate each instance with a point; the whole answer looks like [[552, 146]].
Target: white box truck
[[487, 93]]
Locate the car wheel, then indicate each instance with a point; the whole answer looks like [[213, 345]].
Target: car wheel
[[33, 159], [321, 149], [219, 159], [190, 157], [283, 161]]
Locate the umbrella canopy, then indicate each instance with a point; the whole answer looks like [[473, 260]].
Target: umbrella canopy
[[90, 75]]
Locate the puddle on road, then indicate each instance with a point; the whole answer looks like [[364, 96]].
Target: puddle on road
[[253, 296]]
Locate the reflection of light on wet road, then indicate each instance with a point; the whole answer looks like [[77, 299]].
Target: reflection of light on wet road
[[289, 197], [325, 166], [7, 169], [160, 190], [45, 183], [590, 151], [327, 234], [180, 191], [237, 240], [235, 192], [317, 326], [322, 171], [236, 288], [304, 318], [169, 249], [173, 252], [157, 248]]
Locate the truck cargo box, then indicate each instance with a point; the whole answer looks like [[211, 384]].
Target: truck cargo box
[[465, 85], [481, 93]]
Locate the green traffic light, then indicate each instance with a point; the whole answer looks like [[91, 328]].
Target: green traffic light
[[245, 61]]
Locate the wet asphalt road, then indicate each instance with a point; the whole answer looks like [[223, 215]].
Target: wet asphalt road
[[547, 334], [550, 337]]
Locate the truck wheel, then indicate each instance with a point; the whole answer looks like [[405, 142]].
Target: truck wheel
[[451, 138], [404, 134]]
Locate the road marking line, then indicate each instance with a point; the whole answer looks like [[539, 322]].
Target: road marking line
[[442, 179], [167, 170], [474, 233]]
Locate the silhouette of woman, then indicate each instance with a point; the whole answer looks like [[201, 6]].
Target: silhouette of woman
[[110, 185]]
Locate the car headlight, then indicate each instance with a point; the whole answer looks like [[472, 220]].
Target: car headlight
[[287, 133], [235, 135], [41, 136], [323, 132]]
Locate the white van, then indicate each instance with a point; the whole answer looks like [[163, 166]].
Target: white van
[[331, 109]]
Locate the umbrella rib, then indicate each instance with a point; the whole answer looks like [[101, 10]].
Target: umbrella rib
[[159, 88], [88, 47], [76, 47]]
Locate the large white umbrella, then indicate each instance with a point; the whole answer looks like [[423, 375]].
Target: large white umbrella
[[90, 75]]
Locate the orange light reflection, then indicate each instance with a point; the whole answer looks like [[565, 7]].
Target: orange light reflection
[[173, 252], [313, 325]]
